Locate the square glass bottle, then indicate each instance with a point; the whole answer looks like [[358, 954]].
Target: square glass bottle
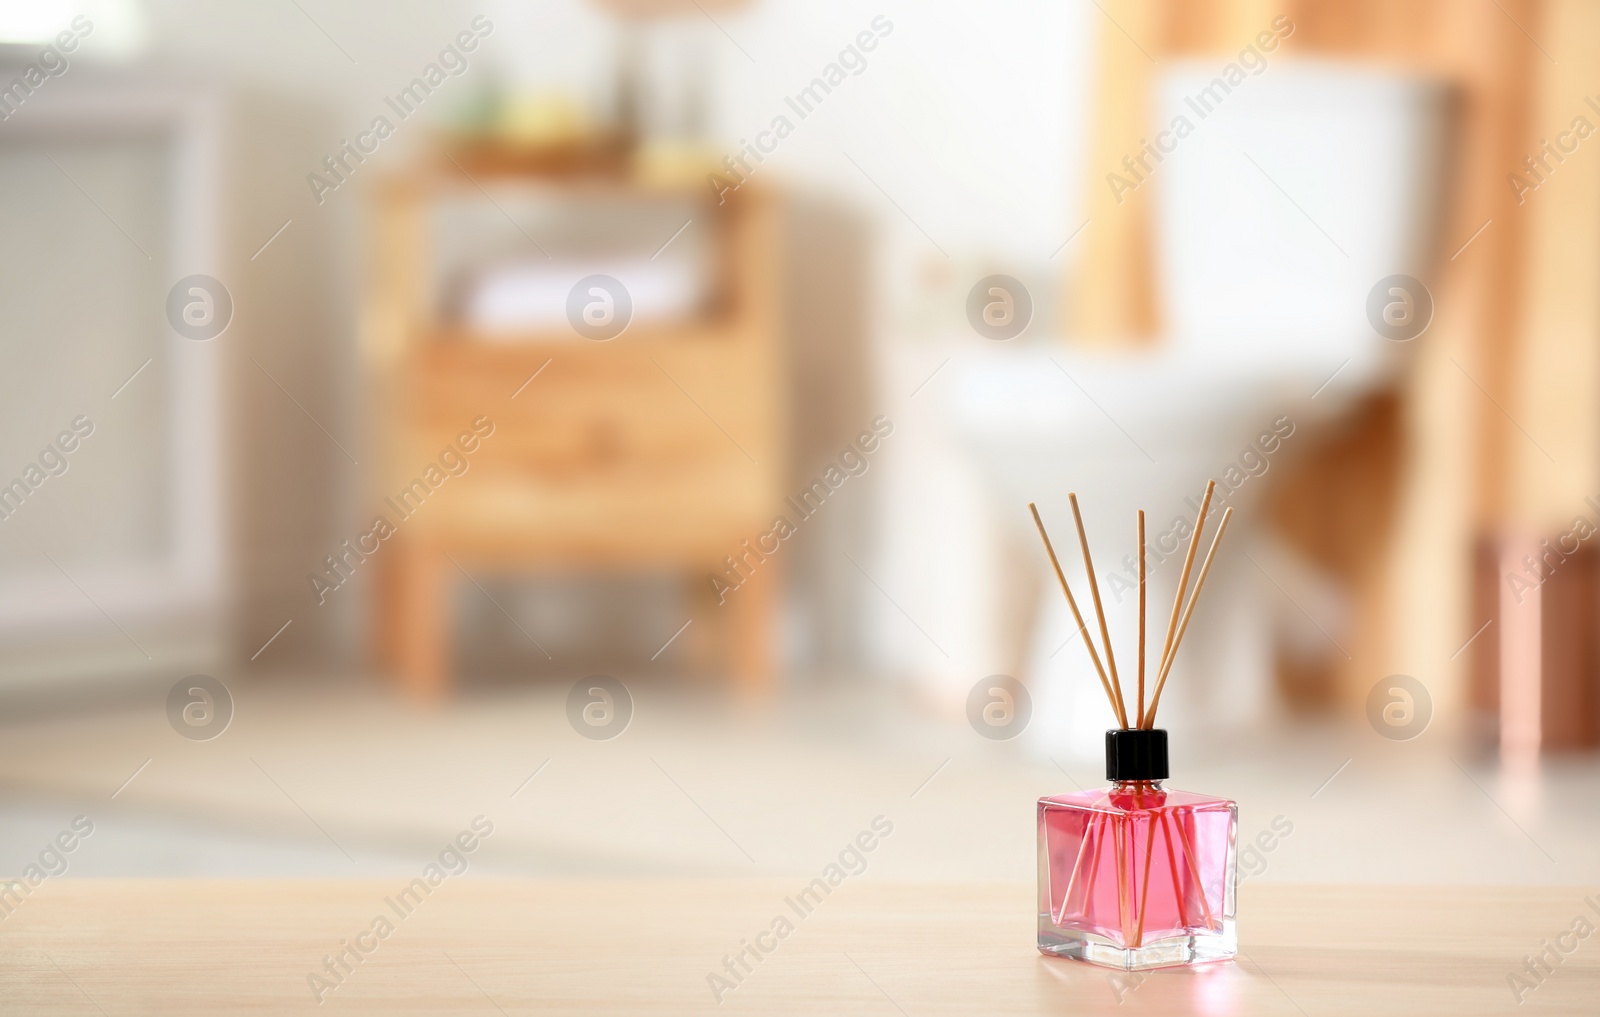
[[1134, 876]]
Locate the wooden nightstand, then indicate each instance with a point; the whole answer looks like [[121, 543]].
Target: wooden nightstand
[[659, 449]]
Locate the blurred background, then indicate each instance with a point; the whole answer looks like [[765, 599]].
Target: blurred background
[[618, 418]]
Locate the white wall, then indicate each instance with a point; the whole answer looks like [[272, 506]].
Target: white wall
[[971, 120], [961, 143]]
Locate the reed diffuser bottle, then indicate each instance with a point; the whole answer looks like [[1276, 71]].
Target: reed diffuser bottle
[[1132, 875]]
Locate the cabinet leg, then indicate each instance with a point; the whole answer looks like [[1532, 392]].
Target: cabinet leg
[[752, 625], [416, 629], [703, 641]]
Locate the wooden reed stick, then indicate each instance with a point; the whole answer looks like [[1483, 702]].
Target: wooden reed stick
[[1144, 886], [1099, 610], [1188, 612], [1188, 563], [1139, 722], [1123, 846], [1091, 881], [1077, 866], [1077, 616], [1172, 867], [1194, 872]]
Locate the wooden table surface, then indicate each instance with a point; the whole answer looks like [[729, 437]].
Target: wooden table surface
[[478, 946]]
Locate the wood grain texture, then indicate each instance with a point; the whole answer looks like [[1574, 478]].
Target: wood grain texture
[[871, 948]]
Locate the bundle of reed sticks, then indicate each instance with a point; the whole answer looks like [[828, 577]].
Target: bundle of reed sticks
[[1176, 626]]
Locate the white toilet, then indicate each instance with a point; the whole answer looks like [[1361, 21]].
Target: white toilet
[[1276, 216]]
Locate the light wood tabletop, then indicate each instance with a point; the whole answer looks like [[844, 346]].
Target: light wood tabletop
[[476, 946]]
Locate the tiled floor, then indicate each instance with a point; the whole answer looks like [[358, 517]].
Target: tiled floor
[[324, 777]]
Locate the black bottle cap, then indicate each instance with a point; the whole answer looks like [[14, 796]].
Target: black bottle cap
[[1136, 754]]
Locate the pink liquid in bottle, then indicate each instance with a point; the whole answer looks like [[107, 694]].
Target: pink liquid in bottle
[[1134, 876]]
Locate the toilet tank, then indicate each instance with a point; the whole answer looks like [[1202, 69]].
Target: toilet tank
[[1289, 195]]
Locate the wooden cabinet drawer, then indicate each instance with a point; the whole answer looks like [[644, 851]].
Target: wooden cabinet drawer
[[593, 412]]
